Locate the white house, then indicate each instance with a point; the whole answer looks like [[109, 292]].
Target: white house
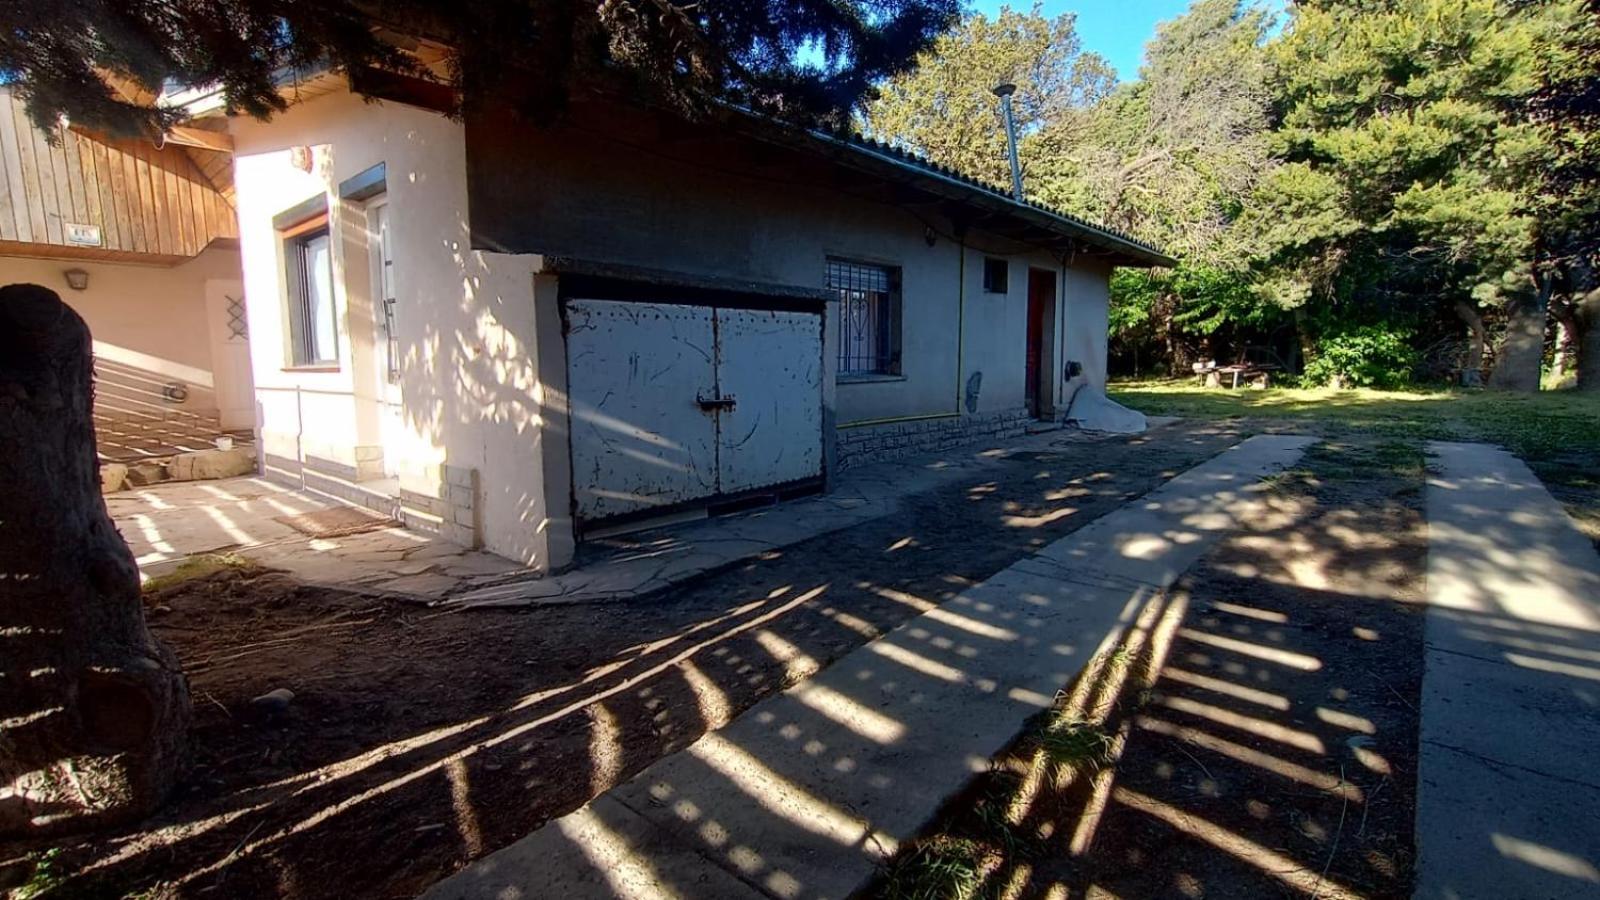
[[517, 336]]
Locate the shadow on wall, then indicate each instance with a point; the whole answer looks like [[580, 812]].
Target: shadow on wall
[[141, 412]]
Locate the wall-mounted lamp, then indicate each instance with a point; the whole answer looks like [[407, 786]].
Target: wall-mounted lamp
[[77, 279]]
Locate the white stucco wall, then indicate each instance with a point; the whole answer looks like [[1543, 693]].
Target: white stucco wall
[[666, 203], [468, 383], [473, 332], [153, 319]]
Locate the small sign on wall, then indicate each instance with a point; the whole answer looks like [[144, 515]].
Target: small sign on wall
[[82, 235]]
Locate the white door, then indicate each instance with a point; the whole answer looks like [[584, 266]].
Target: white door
[[391, 412], [770, 363], [673, 403], [639, 437], [232, 381]]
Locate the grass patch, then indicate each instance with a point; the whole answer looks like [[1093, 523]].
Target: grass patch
[[44, 879], [1547, 425], [197, 566], [940, 868], [1074, 744], [1555, 432]]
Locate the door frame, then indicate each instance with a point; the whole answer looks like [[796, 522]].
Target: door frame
[[690, 292], [390, 395], [1040, 351]]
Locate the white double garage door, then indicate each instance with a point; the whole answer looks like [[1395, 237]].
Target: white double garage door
[[673, 403]]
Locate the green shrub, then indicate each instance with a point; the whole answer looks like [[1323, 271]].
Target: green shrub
[[1369, 356]]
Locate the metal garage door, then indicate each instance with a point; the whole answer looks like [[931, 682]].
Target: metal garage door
[[674, 403]]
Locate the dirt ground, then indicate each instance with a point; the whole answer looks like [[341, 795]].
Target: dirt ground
[[417, 740], [1255, 737]]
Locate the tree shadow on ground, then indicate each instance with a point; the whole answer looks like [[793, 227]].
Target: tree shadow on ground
[[478, 727]]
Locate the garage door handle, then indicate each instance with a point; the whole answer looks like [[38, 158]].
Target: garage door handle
[[714, 403]]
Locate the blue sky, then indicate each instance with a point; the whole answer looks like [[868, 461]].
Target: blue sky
[[1116, 29]]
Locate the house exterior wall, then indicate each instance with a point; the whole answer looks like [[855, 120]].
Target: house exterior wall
[[470, 399], [676, 205], [483, 364], [152, 326]]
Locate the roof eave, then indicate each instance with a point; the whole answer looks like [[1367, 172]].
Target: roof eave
[[1129, 252]]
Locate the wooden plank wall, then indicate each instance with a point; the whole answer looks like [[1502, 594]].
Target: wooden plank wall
[[146, 200]]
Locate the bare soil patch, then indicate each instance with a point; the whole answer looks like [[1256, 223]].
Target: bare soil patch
[[418, 740], [1254, 735]]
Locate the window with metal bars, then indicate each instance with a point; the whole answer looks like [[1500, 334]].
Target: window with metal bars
[[869, 317]]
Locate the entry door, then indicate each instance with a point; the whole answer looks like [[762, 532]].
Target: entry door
[[673, 403], [232, 381], [386, 342], [1041, 344]]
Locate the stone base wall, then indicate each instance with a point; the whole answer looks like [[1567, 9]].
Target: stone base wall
[[898, 440], [450, 511], [447, 508]]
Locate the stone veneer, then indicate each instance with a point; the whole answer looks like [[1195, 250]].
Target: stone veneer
[[448, 510], [451, 512], [897, 440]]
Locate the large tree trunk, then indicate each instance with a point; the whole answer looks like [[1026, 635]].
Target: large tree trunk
[[1472, 367], [95, 710], [1565, 355], [1517, 365], [1589, 342], [1304, 344]]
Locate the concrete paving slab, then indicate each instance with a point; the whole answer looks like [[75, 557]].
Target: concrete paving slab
[[167, 523], [629, 861], [1155, 538], [1511, 687], [808, 792]]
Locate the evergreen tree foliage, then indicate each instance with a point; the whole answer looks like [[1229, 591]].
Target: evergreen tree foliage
[[945, 108], [807, 59]]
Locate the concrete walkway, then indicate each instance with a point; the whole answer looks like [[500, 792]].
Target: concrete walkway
[[809, 791], [166, 523], [648, 562], [1508, 798]]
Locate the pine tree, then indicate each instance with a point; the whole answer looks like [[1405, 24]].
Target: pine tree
[[808, 59]]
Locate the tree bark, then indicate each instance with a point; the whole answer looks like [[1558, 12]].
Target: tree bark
[[1472, 367], [1306, 347], [95, 711], [1565, 353], [1517, 365], [1589, 342]]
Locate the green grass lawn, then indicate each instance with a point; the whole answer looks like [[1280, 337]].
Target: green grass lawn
[[1556, 432]]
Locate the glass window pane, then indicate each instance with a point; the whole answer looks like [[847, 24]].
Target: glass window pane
[[319, 299]]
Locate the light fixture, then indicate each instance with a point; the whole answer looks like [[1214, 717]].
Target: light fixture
[[77, 279]]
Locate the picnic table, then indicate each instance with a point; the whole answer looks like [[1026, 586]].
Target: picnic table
[[1256, 374]]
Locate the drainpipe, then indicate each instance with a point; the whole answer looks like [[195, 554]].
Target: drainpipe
[[1004, 91]]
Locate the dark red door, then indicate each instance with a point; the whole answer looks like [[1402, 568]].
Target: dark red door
[[1041, 297]]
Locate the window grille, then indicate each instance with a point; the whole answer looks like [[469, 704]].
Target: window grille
[[869, 313]]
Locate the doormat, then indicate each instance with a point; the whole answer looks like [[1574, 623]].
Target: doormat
[[341, 521]]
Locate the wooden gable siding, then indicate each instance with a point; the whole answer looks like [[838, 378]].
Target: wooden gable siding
[[151, 201]]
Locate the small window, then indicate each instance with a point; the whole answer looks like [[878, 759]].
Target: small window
[[869, 317], [996, 275], [308, 261]]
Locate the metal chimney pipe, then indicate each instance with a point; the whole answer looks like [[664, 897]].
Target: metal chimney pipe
[[1004, 90]]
